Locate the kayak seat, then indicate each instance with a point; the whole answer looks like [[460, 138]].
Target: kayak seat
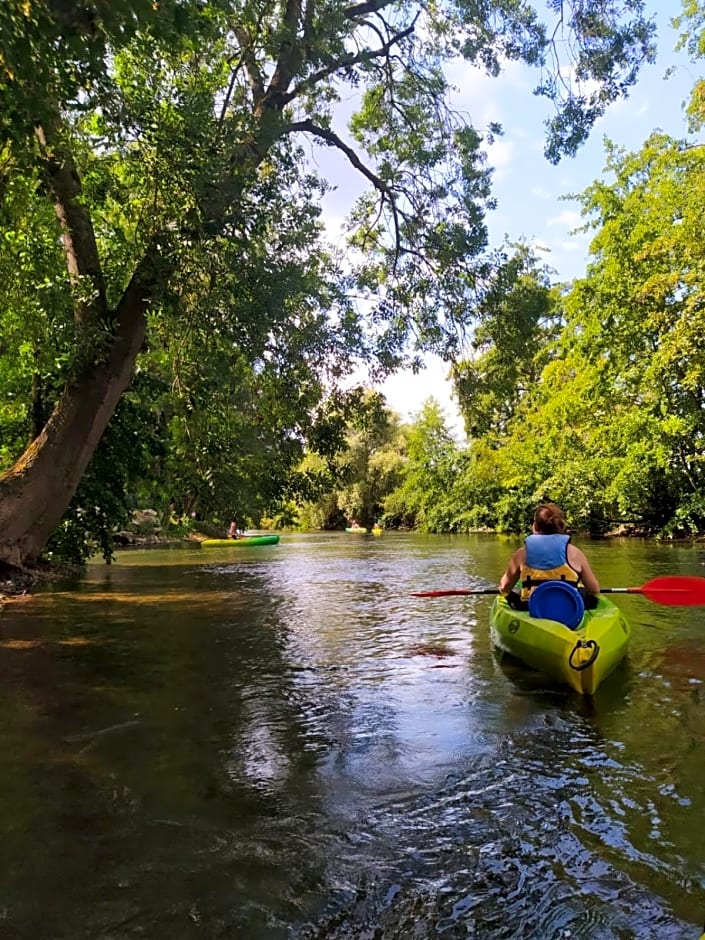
[[557, 600]]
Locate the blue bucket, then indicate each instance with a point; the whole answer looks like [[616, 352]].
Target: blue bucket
[[557, 600]]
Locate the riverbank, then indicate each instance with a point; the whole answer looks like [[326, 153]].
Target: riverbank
[[17, 583]]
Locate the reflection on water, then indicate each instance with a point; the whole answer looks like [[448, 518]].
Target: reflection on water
[[286, 744]]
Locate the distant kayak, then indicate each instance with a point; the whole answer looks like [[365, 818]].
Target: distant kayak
[[376, 530], [242, 542], [357, 528]]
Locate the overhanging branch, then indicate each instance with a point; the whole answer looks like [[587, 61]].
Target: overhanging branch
[[362, 9], [332, 139], [290, 52], [249, 60], [346, 62]]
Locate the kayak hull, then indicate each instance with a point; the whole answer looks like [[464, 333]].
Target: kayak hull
[[241, 542], [582, 658], [361, 530]]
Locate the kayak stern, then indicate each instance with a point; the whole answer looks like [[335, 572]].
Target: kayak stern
[[582, 658]]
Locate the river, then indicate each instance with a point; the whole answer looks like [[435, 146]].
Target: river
[[280, 742]]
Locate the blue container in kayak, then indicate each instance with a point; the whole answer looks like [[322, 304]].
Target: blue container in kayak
[[557, 600]]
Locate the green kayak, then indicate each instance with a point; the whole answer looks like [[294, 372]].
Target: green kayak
[[241, 542], [581, 658]]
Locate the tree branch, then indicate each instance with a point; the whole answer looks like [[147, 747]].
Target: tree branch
[[254, 74], [290, 53], [332, 139], [229, 93], [346, 62], [78, 236], [309, 17], [362, 9]]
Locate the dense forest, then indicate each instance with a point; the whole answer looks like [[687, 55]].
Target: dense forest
[[176, 332]]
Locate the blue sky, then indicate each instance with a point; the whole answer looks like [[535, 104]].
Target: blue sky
[[528, 189]]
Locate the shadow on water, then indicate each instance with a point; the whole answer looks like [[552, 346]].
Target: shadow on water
[[286, 744]]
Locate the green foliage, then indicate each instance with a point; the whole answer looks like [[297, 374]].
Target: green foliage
[[686, 519], [151, 163], [426, 496], [60, 54], [608, 50], [605, 417], [36, 329], [355, 482], [517, 320]]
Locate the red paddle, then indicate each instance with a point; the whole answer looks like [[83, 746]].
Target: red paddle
[[672, 590]]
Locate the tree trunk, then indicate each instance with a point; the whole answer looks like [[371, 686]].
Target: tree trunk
[[35, 493]]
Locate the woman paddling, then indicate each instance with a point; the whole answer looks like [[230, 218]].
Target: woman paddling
[[233, 531], [548, 555]]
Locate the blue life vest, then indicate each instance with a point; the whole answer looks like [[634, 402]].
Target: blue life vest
[[546, 560]]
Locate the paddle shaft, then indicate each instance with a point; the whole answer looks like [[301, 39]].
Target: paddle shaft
[[632, 590], [671, 590], [458, 592]]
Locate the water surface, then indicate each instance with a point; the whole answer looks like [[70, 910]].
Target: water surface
[[281, 742]]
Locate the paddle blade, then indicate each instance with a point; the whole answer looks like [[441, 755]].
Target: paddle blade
[[458, 592], [674, 591]]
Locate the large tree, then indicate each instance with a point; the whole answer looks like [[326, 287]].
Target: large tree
[[151, 128]]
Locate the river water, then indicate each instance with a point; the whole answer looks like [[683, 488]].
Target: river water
[[280, 742]]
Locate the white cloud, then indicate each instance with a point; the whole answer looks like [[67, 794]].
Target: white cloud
[[482, 99], [569, 219], [624, 109], [500, 156]]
